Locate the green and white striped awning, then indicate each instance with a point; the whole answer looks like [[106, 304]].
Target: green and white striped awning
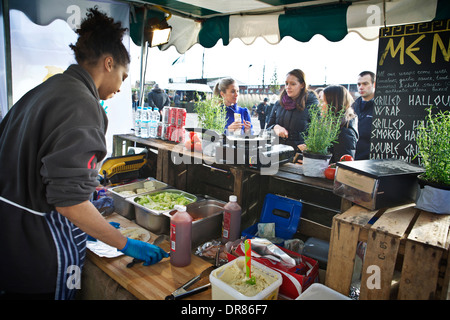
[[208, 21]]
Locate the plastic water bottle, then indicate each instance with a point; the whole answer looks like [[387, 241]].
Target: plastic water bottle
[[180, 237], [150, 123], [137, 122], [155, 120], [231, 226], [156, 114], [144, 123]]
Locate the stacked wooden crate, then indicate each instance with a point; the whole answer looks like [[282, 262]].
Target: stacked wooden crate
[[401, 239]]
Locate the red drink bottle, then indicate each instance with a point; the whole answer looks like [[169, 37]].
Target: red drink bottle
[[180, 237], [231, 227]]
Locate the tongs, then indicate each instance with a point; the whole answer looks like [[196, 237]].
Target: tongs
[[182, 292]]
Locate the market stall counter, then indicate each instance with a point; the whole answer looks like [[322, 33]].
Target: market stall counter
[[201, 175], [153, 282]]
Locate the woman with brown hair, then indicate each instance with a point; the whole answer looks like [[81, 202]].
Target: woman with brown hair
[[290, 114], [335, 99], [228, 90]]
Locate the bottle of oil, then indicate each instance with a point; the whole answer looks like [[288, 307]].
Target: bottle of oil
[[180, 237], [231, 227]]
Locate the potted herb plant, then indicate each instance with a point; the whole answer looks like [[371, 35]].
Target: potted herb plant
[[433, 142], [323, 130], [211, 121], [211, 115]]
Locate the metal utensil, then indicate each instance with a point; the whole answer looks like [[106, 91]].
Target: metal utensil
[[157, 241], [182, 292]]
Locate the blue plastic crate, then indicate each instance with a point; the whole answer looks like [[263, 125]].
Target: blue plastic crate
[[284, 212]]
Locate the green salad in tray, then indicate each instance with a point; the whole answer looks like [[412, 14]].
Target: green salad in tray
[[163, 201]]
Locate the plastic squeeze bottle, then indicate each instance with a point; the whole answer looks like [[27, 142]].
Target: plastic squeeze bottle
[[231, 227], [180, 237]]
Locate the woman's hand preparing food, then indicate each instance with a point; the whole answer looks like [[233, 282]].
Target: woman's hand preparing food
[[302, 147], [147, 252], [281, 131]]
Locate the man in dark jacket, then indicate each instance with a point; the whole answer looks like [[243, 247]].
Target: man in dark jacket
[[363, 107], [158, 98], [262, 110]]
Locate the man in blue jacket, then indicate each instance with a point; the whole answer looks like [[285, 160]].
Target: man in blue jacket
[[363, 107]]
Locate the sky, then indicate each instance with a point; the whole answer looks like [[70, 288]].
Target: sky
[[323, 62]]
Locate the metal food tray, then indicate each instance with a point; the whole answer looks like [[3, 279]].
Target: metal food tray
[[209, 227], [156, 221], [125, 208], [189, 196]]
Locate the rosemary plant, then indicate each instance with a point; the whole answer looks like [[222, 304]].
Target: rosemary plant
[[211, 114], [323, 130], [433, 141]]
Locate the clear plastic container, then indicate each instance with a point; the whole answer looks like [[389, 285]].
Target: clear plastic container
[[223, 291], [318, 291]]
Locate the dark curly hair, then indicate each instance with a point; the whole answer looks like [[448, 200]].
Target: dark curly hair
[[99, 35]]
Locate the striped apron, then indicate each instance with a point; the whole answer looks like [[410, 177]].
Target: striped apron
[[70, 242]]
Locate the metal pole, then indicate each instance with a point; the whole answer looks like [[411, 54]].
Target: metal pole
[[7, 42], [143, 59]]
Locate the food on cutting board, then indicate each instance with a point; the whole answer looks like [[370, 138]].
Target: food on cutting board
[[162, 200], [135, 233]]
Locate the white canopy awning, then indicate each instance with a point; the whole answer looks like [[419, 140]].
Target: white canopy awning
[[188, 87]]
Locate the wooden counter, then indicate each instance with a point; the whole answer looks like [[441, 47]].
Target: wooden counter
[[153, 282], [199, 174]]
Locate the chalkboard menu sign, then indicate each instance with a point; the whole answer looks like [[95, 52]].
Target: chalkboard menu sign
[[412, 74]]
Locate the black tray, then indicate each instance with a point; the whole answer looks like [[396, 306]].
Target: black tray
[[378, 168]]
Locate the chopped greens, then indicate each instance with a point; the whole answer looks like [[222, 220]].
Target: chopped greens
[[162, 201]]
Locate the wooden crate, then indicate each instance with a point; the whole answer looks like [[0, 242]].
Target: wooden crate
[[402, 239]]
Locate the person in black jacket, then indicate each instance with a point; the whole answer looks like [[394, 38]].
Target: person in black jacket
[[363, 107], [290, 114], [262, 113], [337, 98], [158, 98]]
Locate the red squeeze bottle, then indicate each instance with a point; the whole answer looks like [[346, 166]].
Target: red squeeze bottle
[[231, 227], [180, 237]]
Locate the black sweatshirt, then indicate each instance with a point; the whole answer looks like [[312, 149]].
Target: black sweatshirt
[[50, 143]]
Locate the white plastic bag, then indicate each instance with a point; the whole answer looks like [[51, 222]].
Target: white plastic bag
[[434, 200], [314, 167]]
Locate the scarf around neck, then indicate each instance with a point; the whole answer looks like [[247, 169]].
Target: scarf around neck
[[288, 103]]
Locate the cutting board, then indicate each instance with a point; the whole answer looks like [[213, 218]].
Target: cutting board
[[153, 282]]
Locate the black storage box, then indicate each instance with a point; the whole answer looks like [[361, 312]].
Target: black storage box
[[378, 183]]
